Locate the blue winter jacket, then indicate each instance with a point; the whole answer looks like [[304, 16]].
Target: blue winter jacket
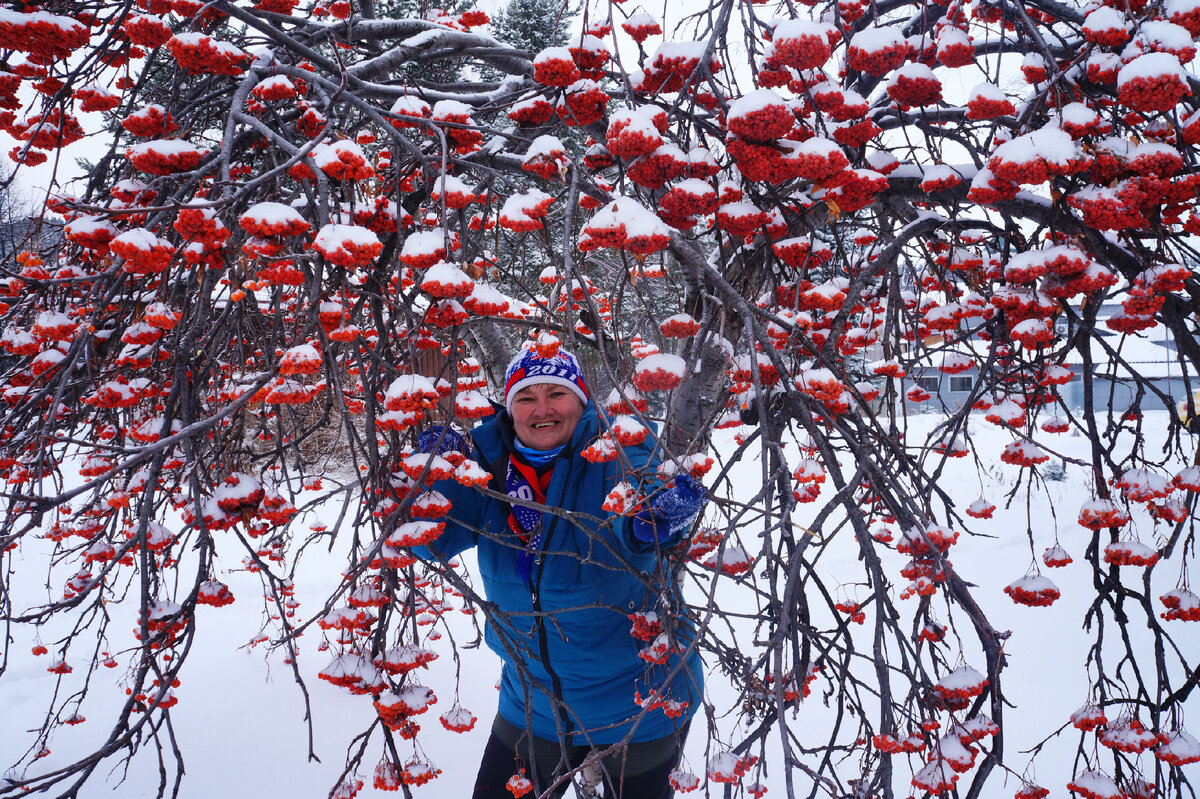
[[568, 623]]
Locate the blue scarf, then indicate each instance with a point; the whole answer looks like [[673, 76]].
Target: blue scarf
[[537, 458]]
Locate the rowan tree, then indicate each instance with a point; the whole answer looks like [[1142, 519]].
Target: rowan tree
[[785, 213]]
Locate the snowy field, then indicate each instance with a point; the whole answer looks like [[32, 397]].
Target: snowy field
[[240, 722]]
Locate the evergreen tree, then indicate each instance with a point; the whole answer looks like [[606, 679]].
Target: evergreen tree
[[532, 25]]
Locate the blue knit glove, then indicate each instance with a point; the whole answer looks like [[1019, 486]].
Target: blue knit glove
[[671, 512], [451, 441]]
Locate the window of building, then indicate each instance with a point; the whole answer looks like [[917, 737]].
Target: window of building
[[961, 383], [930, 384]]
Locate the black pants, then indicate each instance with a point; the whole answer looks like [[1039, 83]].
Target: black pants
[[640, 772]]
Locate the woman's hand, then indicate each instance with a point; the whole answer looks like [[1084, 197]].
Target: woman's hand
[[671, 511], [443, 438]]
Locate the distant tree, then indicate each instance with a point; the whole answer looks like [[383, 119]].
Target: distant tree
[[532, 26], [15, 213]]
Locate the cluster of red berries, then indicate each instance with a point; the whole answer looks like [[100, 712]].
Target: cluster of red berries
[[201, 54]]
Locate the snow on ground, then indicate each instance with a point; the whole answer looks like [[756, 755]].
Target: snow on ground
[[240, 719]]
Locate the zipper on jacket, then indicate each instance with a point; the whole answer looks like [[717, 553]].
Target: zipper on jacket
[[539, 620]]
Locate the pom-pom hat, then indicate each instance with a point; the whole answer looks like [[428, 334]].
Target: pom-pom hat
[[529, 368]]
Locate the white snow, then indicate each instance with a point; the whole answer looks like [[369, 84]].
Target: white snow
[[1151, 65], [235, 699]]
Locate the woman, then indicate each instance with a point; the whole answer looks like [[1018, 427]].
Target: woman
[[564, 583]]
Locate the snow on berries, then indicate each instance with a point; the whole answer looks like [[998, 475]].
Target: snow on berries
[[957, 689], [740, 218], [405, 658], [486, 300], [423, 249], [95, 98], [1023, 453], [602, 450], [683, 781], [90, 232], [1127, 734], [723, 767], [546, 157], [1056, 557], [275, 88], [1093, 784], [146, 30], [523, 212], [519, 785], [458, 719], [628, 431], [554, 66], [939, 177], [351, 246], [151, 120], [143, 252], [1142, 485], [640, 26], [818, 159], [954, 47], [914, 85], [1152, 82], [1088, 717], [1178, 748], [198, 53], [1130, 553], [446, 281], [1106, 26], [215, 593], [464, 137], [342, 160], [1034, 590], [40, 33], [1034, 157], [659, 372], [936, 777], [761, 115], [799, 43], [987, 101], [268, 219], [238, 493], [165, 156], [1096, 514], [877, 51], [410, 393], [302, 359], [634, 132], [625, 400], [980, 509], [1181, 604], [418, 772], [733, 560], [387, 776], [455, 191]]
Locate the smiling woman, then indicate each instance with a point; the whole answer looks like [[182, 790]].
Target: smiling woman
[[562, 583]]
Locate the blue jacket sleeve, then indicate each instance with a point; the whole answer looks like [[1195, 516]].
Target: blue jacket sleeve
[[462, 522]]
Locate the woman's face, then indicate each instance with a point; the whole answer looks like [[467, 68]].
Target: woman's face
[[545, 415]]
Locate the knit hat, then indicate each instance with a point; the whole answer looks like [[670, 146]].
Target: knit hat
[[529, 368]]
